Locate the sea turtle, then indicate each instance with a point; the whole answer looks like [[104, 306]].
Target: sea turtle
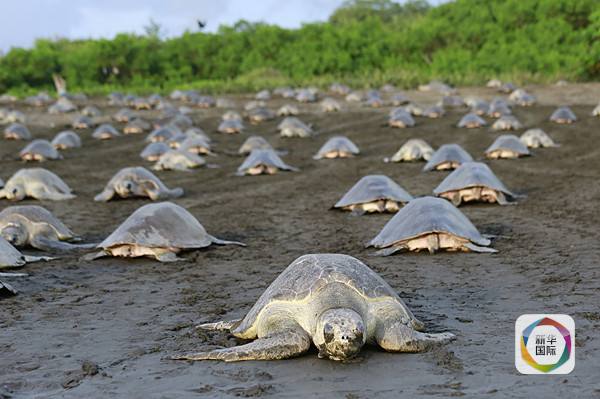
[[479, 107], [507, 87], [448, 156], [294, 127], [261, 114], [374, 99], [136, 126], [254, 142], [163, 134], [178, 160], [354, 97], [36, 183], [400, 118], [413, 150], [105, 131], [263, 162], [197, 132], [115, 98], [38, 100], [11, 257], [473, 181], [17, 131], [435, 111], [339, 89], [507, 122], [124, 115], [306, 96], [180, 121], [137, 182], [413, 109], [471, 121], [141, 103], [224, 103], [82, 122], [287, 110], [329, 104], [263, 95], [61, 106], [337, 147], [429, 223], [374, 193], [65, 140], [440, 87], [153, 151], [563, 115], [195, 145], [204, 102], [250, 105], [535, 138], [596, 110], [33, 226], [522, 98], [231, 115], [160, 230], [507, 146], [398, 99], [15, 116], [498, 108], [452, 101], [231, 126], [494, 83], [39, 150], [333, 300], [91, 111]]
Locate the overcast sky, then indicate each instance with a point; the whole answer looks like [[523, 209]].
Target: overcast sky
[[22, 21]]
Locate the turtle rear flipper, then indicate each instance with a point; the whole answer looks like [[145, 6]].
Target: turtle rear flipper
[[398, 337], [476, 248], [218, 241]]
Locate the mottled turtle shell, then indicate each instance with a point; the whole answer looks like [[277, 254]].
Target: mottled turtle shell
[[41, 147], [160, 225], [36, 218], [306, 96], [354, 96], [413, 149], [508, 142], [19, 130], [309, 274], [372, 188], [471, 174], [294, 127], [287, 110], [252, 143], [507, 122], [329, 104], [9, 257], [66, 139], [263, 157], [448, 153], [427, 215], [401, 115], [563, 113], [337, 143], [471, 119], [104, 129], [197, 132], [452, 101], [535, 138], [155, 150]]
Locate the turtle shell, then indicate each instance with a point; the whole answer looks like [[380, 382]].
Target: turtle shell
[[309, 274], [9, 257], [471, 174], [66, 139], [51, 180], [372, 188], [41, 147], [103, 129], [36, 218], [401, 115], [427, 215], [508, 142], [252, 143], [160, 225], [62, 105], [155, 149], [337, 143], [507, 122], [413, 149], [82, 122], [231, 125], [535, 138], [264, 157], [91, 111], [18, 130], [446, 153], [470, 119], [563, 113]]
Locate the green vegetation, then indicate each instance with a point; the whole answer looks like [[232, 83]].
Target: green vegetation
[[365, 43]]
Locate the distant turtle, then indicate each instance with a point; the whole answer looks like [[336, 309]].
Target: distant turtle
[[535, 138], [115, 98], [91, 111], [178, 160], [494, 83], [252, 143], [398, 99], [413, 109], [340, 89], [136, 126], [15, 116], [374, 99], [142, 103], [196, 145], [473, 182], [62, 105], [507, 87], [332, 300], [36, 183], [471, 121], [440, 87], [231, 115], [231, 126], [432, 224], [175, 141], [452, 101], [337, 147], [180, 121], [400, 118], [39, 150], [205, 102], [153, 151], [448, 156], [522, 98], [11, 257], [160, 230], [287, 110], [261, 161], [263, 95], [354, 97], [197, 132], [498, 108], [435, 111], [596, 110], [65, 140], [507, 122], [82, 122], [413, 150], [260, 114], [164, 134], [374, 193], [329, 104], [563, 115], [479, 107], [33, 226], [17, 131], [294, 127], [250, 105], [137, 182], [124, 115], [306, 96], [105, 132], [507, 146]]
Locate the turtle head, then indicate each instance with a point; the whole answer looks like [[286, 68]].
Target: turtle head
[[13, 192], [340, 334], [126, 188], [15, 234]]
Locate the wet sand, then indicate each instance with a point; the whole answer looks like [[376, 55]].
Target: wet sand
[[91, 329]]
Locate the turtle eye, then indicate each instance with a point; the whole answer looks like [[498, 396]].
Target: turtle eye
[[14, 191]]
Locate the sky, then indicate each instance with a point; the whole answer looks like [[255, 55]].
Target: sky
[[23, 21]]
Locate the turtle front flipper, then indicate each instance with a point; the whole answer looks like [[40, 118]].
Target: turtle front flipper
[[283, 344], [46, 244], [476, 248], [31, 259], [14, 275], [218, 241], [398, 337], [105, 195], [227, 325]]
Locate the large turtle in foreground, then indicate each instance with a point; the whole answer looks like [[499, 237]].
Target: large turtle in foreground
[[374, 193], [36, 183], [137, 182], [34, 226], [432, 224], [160, 231], [332, 300], [473, 182], [507, 146]]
